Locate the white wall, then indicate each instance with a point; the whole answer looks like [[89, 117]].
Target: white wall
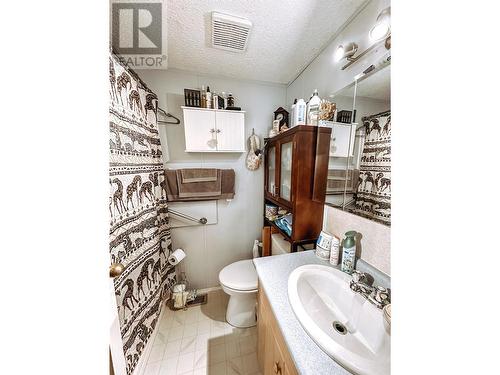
[[210, 248], [326, 75]]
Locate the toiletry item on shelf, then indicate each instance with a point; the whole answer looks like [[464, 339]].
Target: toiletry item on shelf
[[335, 251], [192, 98], [230, 100], [209, 97], [324, 240], [275, 129], [215, 101], [294, 106], [180, 292], [313, 109], [300, 112], [221, 104], [224, 100], [203, 100], [349, 252], [271, 211], [323, 245], [326, 110]]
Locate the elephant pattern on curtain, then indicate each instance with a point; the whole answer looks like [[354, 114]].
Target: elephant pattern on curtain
[[139, 222], [373, 196]]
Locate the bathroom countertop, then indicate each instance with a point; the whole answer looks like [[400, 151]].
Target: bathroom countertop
[[273, 273]]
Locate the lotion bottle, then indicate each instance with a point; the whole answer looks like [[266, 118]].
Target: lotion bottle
[[209, 98], [313, 109], [349, 252], [203, 103], [294, 109], [335, 251]]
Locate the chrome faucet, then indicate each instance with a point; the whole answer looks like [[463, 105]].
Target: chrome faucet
[[377, 295]]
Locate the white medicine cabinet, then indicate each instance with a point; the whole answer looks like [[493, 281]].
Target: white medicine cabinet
[[214, 130]]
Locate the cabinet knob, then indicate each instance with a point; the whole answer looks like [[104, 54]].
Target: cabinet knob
[[218, 131], [212, 130], [277, 368]]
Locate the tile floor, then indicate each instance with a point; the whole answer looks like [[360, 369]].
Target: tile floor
[[198, 341]]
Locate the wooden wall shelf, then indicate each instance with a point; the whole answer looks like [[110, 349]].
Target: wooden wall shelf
[[296, 167]]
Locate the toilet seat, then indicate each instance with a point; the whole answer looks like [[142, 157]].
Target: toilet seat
[[239, 276]]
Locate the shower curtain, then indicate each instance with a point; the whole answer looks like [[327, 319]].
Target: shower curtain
[[139, 223], [373, 196]]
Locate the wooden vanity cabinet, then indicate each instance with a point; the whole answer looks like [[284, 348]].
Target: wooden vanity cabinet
[[272, 352], [295, 176]]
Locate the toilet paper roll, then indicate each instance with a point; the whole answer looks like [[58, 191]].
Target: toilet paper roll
[[175, 258]]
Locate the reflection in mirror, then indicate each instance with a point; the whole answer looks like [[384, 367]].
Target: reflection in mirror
[[359, 169]]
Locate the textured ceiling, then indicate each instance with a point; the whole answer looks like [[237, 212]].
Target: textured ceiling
[[286, 35]]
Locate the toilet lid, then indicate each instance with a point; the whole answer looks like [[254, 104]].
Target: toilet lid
[[239, 275]]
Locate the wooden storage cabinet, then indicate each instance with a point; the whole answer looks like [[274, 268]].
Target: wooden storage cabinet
[[214, 130], [272, 352], [295, 173]]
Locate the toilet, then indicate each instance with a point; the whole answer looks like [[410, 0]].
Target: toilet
[[239, 281]]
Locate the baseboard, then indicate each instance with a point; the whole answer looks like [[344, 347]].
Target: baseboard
[[208, 290]]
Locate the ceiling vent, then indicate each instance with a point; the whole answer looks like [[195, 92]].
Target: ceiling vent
[[230, 33]]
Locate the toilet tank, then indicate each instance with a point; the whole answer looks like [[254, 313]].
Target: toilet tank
[[279, 245]]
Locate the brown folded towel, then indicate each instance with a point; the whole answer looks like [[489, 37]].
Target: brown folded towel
[[198, 189], [198, 175], [227, 179]]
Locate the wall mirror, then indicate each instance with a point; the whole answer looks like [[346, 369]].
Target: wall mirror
[[359, 168]]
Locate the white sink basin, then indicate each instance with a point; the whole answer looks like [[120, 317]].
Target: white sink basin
[[320, 296]]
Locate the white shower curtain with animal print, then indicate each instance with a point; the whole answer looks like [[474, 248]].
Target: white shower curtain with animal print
[[373, 196], [139, 224]]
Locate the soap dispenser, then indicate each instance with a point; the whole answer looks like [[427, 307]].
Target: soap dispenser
[[313, 109], [349, 252]]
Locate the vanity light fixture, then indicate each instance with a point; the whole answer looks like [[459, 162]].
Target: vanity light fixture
[[345, 52], [379, 33], [382, 27]]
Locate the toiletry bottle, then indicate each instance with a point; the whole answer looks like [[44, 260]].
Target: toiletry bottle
[[335, 251], [224, 97], [300, 112], [203, 97], [209, 98], [294, 109], [215, 101], [349, 252], [313, 109], [230, 100]]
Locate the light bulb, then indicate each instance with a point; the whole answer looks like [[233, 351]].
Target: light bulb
[[379, 31], [382, 27], [339, 53]]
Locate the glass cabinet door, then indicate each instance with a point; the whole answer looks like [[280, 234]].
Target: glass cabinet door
[[286, 171], [271, 170]]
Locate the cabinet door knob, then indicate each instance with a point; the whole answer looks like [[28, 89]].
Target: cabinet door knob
[[277, 368], [212, 130], [218, 131]]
